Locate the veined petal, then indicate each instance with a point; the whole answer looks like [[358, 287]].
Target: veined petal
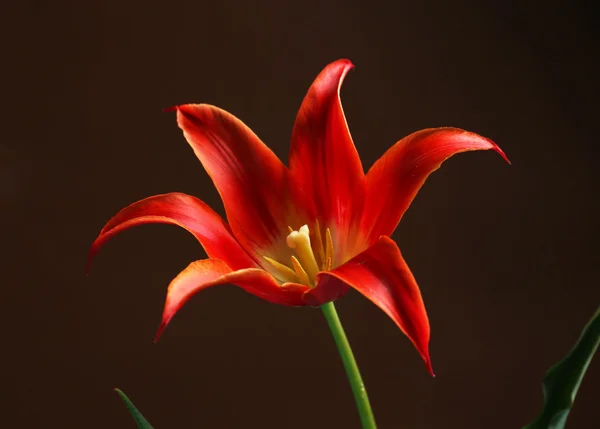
[[381, 274], [248, 175], [187, 212], [200, 275], [395, 179], [326, 171]]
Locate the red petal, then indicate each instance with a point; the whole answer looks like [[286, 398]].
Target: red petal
[[249, 177], [381, 274], [203, 274], [326, 171], [187, 212], [397, 176], [329, 289]]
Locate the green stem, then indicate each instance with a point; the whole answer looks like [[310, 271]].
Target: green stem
[[356, 383]]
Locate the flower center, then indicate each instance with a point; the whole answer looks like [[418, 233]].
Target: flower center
[[310, 257]]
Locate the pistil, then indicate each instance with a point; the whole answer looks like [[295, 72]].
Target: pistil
[[300, 241], [310, 257]]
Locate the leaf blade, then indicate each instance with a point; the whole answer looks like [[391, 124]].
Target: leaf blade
[[562, 381], [137, 416]]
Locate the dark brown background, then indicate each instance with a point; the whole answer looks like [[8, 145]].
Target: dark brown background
[[506, 257]]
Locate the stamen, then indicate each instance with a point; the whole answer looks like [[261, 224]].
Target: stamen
[[286, 273], [328, 264], [302, 276], [300, 240], [319, 243], [328, 248]]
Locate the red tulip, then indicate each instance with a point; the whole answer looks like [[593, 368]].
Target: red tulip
[[304, 234]]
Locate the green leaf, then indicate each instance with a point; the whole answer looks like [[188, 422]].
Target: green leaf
[[137, 416], [563, 379]]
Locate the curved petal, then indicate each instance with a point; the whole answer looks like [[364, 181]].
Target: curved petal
[[249, 177], [395, 179], [330, 290], [187, 212], [200, 275], [325, 168], [381, 274]]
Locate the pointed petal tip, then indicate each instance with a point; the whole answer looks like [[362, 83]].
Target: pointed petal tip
[[429, 366], [500, 152], [423, 349], [160, 330], [346, 67], [91, 255], [347, 63], [166, 317], [171, 109]]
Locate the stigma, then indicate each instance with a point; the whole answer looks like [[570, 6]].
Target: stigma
[[311, 256]]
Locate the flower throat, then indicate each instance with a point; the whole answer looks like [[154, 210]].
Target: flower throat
[[310, 257]]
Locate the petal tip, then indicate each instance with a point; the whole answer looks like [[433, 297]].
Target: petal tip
[[171, 109], [161, 329], [91, 255], [346, 62], [429, 366], [500, 152], [347, 65], [336, 72]]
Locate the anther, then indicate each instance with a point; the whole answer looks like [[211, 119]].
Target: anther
[[302, 276], [285, 273], [319, 244], [328, 248]]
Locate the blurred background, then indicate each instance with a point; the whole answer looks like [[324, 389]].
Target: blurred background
[[506, 256]]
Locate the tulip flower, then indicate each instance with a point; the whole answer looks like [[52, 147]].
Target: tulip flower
[[301, 235]]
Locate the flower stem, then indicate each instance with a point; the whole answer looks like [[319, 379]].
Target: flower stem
[[356, 383]]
